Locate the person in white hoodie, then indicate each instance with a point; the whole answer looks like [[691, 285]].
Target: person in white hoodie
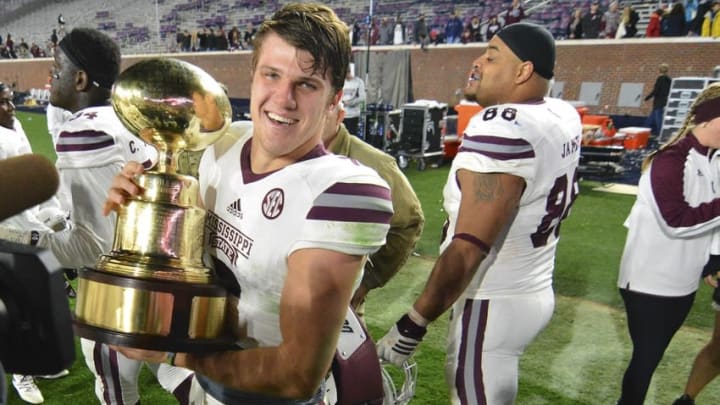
[[670, 230]]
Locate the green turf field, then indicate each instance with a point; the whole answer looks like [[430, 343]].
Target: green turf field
[[578, 359]]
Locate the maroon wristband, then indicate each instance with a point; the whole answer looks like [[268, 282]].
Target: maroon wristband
[[475, 241]]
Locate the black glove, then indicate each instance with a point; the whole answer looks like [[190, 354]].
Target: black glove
[[712, 266], [401, 341]]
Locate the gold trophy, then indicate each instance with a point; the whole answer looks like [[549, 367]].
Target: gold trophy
[[152, 291]]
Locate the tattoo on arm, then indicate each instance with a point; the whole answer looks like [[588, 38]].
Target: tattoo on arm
[[487, 187]]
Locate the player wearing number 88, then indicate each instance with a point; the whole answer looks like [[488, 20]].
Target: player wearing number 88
[[511, 184]]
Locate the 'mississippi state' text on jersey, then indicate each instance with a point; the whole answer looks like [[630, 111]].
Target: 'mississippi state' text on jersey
[[256, 221]]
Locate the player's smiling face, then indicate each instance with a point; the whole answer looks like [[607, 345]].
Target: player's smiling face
[[289, 102], [7, 108]]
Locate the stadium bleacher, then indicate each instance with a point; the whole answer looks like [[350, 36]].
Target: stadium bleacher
[[142, 26]]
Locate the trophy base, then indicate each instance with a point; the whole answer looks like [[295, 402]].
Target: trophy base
[[151, 314], [149, 342]]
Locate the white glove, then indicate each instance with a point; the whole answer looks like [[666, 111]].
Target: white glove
[[399, 344], [54, 218], [22, 237]]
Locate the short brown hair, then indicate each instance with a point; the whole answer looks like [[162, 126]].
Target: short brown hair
[[314, 28]]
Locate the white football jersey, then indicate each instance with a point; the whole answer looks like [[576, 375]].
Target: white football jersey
[[539, 142], [255, 221], [95, 136], [14, 142], [92, 146]]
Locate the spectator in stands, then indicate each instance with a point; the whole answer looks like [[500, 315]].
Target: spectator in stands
[[211, 40], [202, 38], [179, 39], [399, 31], [54, 38], [673, 23], [691, 8], [659, 94], [353, 99], [355, 33], [475, 29], [36, 51], [23, 50], [249, 36], [422, 36], [187, 41], [374, 32], [711, 21], [493, 27], [515, 13], [574, 28], [611, 20], [386, 31], [195, 41], [630, 19], [10, 45], [453, 29], [221, 42], [234, 41], [592, 22], [653, 27], [696, 19], [61, 21]]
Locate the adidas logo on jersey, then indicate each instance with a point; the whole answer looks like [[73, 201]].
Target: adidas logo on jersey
[[235, 209]]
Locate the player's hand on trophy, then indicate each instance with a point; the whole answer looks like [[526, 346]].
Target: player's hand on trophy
[[123, 186], [399, 344]]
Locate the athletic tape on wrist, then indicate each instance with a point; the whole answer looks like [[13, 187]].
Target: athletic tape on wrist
[[415, 316]]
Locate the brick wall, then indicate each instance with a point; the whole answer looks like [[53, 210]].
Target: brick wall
[[438, 73]]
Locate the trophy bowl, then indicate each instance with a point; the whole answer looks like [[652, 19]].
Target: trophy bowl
[[153, 290]]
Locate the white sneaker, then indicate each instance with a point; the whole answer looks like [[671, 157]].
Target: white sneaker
[[26, 389], [61, 374]]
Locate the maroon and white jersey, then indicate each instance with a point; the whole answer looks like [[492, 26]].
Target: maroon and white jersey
[[671, 224], [94, 137], [92, 146], [255, 222], [539, 142]]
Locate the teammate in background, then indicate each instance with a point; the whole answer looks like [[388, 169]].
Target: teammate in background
[[670, 229], [329, 213], [92, 146], [511, 184], [407, 221], [42, 218], [354, 100]]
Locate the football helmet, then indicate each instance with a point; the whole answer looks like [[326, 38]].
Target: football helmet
[[357, 375], [393, 396]]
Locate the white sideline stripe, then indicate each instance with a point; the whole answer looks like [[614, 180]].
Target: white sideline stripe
[[618, 188]]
